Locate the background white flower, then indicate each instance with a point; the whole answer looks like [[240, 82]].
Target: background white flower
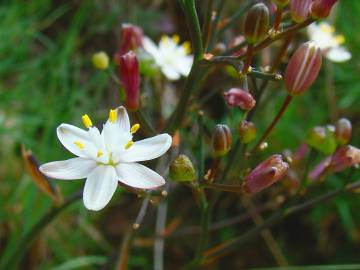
[[173, 59], [324, 36], [107, 157]]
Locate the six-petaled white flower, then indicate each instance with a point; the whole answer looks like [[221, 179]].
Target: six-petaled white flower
[[324, 36], [107, 157], [173, 59]]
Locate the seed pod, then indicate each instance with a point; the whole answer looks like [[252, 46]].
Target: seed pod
[[321, 8], [181, 169], [130, 79], [303, 68], [131, 38], [345, 157], [281, 3], [100, 60], [221, 140], [300, 9], [322, 139], [265, 174], [343, 131], [247, 132], [237, 97], [256, 23]]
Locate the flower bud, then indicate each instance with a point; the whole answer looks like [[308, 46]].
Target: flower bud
[[237, 97], [181, 169], [345, 157], [322, 139], [221, 140], [343, 131], [320, 170], [321, 8], [247, 132], [130, 79], [281, 3], [300, 9], [265, 174], [256, 23], [131, 38], [303, 68], [100, 60]]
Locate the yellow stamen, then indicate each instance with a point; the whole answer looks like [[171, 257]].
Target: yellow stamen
[[187, 47], [134, 128], [176, 38], [79, 144], [99, 153], [113, 116], [340, 39], [327, 28], [86, 121], [129, 144], [164, 39]]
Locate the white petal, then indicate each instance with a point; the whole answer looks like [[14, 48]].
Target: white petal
[[75, 168], [138, 176], [99, 187], [338, 54], [150, 47], [170, 72], [147, 149], [69, 134]]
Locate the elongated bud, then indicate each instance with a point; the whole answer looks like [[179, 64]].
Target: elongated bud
[[265, 174], [221, 140], [343, 131], [281, 3], [131, 38], [322, 139], [181, 169], [130, 79], [345, 157], [256, 23], [303, 68], [321, 8], [247, 132], [237, 97], [300, 9], [100, 60]]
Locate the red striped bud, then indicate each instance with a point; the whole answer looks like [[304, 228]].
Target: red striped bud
[[300, 9], [345, 157], [321, 8], [236, 97], [265, 174], [303, 68], [221, 140], [343, 131], [130, 79], [256, 23], [131, 38]]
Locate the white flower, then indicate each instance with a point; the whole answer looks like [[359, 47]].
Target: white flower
[[174, 60], [324, 36], [107, 157]]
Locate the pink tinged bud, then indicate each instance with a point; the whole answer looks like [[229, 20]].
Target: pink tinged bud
[[236, 97], [345, 157], [265, 174], [131, 38], [221, 140], [256, 23], [303, 68], [130, 79], [321, 8], [343, 131], [300, 9]]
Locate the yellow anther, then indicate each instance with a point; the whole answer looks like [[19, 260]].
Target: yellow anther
[[327, 28], [99, 153], [340, 39], [164, 39], [129, 144], [135, 128], [79, 144], [113, 116], [86, 121], [187, 47], [176, 38]]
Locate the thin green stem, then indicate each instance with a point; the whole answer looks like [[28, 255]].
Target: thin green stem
[[207, 23], [201, 145]]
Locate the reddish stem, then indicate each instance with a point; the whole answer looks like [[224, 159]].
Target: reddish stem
[[277, 20], [249, 55]]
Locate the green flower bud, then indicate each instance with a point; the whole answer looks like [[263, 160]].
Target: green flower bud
[[182, 170], [247, 132], [221, 140], [256, 23], [322, 139], [100, 60]]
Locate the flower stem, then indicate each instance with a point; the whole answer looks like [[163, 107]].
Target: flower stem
[[277, 19], [207, 23], [248, 59], [273, 123]]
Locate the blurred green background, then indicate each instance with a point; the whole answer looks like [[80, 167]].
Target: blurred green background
[[46, 78]]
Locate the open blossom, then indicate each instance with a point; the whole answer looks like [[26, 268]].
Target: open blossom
[[173, 59], [107, 157], [323, 34]]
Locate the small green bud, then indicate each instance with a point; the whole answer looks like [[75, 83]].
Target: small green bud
[[322, 139], [256, 23], [182, 170], [247, 132], [100, 60], [221, 140]]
